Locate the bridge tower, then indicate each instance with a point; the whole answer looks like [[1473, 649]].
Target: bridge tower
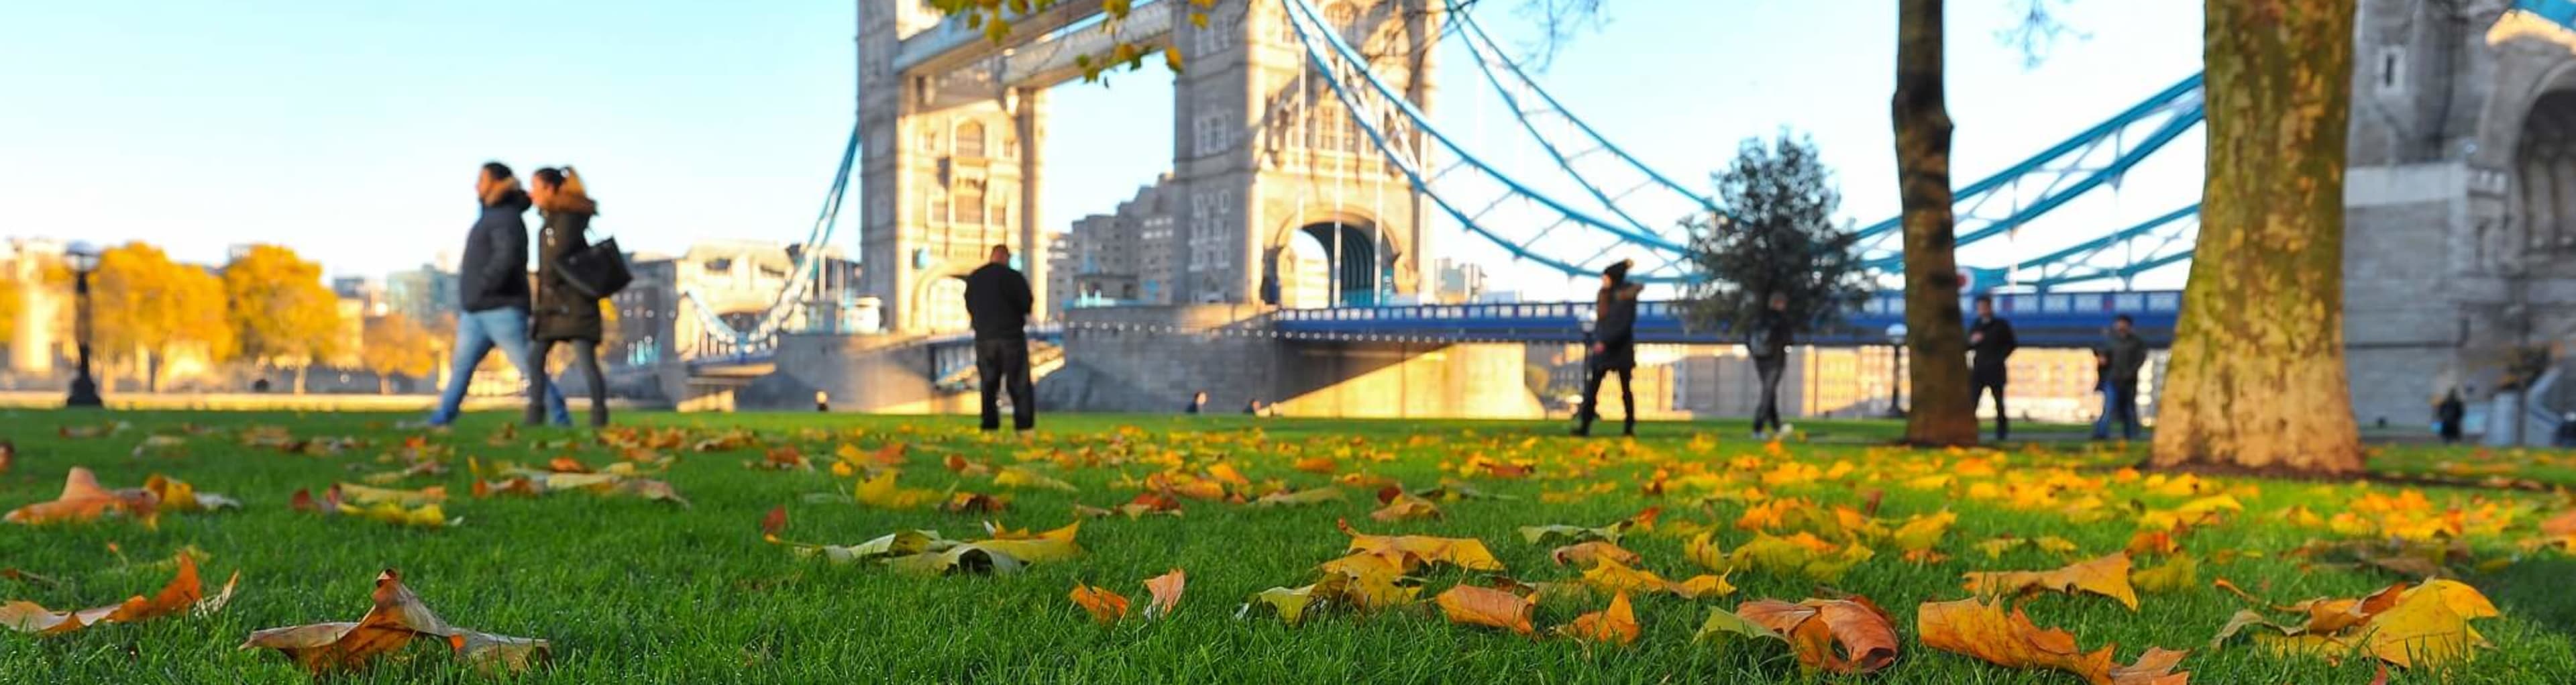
[[1266, 155], [948, 165], [2460, 207]]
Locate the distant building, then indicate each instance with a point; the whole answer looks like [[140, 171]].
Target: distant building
[[42, 312], [1459, 281], [424, 295]]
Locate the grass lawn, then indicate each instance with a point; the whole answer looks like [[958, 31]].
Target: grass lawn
[[631, 590]]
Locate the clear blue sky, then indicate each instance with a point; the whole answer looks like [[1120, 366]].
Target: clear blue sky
[[349, 130]]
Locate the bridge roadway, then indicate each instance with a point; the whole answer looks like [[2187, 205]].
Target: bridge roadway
[[2063, 320]]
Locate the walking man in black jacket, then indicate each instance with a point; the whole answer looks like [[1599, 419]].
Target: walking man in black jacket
[[492, 284], [1990, 340], [1614, 349], [2127, 354], [998, 300], [1769, 345]]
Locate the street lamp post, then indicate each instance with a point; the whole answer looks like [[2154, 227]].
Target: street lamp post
[[84, 260], [1896, 377]]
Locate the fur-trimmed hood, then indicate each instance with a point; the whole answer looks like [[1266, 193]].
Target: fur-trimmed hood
[[506, 194]]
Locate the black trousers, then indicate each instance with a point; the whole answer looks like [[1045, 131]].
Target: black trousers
[[1979, 390], [1769, 413], [585, 355], [1592, 397], [1003, 364]]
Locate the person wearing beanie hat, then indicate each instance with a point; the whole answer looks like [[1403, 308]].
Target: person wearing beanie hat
[[1614, 348]]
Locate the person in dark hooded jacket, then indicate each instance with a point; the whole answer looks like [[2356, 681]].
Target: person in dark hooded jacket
[[1990, 344], [564, 313], [1768, 343], [1614, 348], [492, 290]]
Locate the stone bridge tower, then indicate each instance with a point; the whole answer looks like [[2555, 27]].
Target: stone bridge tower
[[1266, 155], [2460, 237]]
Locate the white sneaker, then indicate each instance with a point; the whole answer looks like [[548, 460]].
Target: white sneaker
[[1787, 430]]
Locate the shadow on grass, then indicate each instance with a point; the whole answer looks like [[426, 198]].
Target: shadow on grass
[[2536, 590]]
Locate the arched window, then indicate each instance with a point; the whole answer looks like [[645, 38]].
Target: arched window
[[970, 139]]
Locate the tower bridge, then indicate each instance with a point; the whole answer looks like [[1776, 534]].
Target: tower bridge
[[2456, 185]]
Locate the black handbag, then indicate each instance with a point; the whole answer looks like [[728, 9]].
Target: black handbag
[[598, 270]]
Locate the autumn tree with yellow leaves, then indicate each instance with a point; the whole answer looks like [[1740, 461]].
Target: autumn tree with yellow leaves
[[282, 314], [394, 344], [146, 309]]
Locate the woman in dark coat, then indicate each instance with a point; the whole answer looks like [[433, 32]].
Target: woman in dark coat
[[1614, 348], [565, 314]]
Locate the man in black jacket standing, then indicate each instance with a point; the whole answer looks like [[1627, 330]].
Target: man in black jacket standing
[[1990, 342], [998, 300], [1769, 345], [2127, 354]]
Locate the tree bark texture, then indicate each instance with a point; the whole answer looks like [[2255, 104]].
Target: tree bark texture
[[1943, 412], [2257, 379]]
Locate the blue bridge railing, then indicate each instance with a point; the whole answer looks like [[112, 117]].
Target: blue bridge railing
[[2039, 320]]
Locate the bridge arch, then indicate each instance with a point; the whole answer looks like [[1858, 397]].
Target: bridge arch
[[1358, 251]]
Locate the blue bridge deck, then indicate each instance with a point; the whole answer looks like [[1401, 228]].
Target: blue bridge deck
[[2039, 320]]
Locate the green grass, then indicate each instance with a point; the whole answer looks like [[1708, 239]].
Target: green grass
[[639, 591]]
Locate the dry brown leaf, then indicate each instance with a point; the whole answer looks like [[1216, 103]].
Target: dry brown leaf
[[1616, 625], [2107, 576], [1166, 592], [1471, 605], [1584, 555], [1815, 627], [396, 619], [84, 500], [1406, 507], [1106, 607], [184, 593], [773, 523], [1980, 628]]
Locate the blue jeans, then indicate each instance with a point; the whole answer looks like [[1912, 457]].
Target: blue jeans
[[2118, 402], [476, 334]]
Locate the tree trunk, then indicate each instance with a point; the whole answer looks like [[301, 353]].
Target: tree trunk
[[299, 378], [2258, 379], [1943, 413], [383, 387]]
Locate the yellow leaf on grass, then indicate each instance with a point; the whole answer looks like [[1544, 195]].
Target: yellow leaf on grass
[[1166, 592], [1616, 625], [1704, 586], [176, 495], [1613, 577], [1106, 607], [1586, 554], [882, 492], [364, 495], [1289, 602], [1980, 628], [1702, 549], [1018, 477], [2107, 576], [2180, 573], [1053, 545], [1471, 605], [1465, 553]]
